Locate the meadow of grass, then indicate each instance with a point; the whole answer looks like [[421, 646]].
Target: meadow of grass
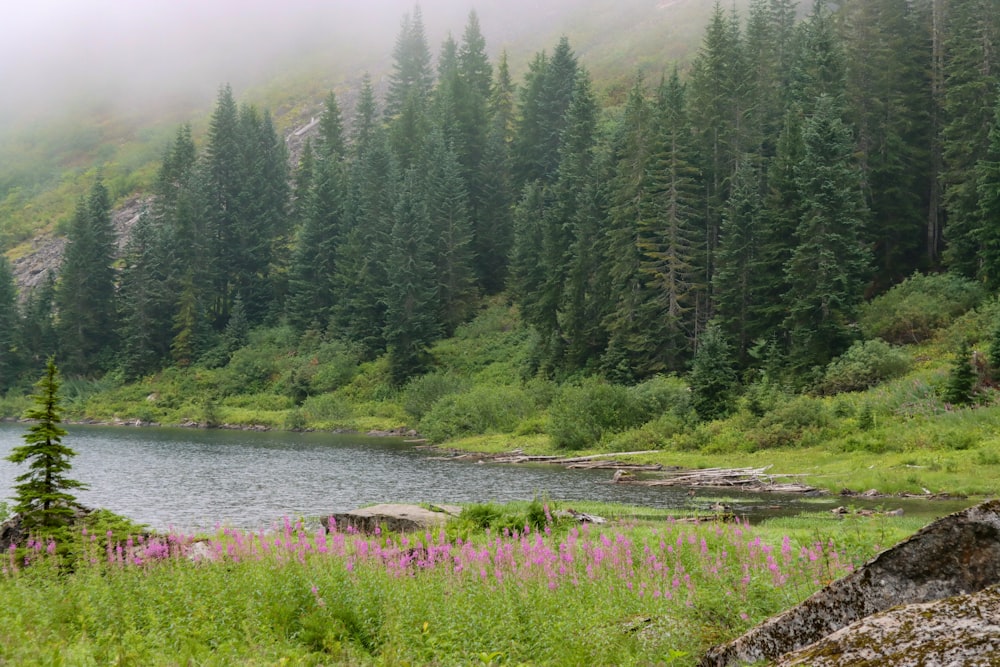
[[492, 587]]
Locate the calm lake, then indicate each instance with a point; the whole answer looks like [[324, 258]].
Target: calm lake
[[191, 479]]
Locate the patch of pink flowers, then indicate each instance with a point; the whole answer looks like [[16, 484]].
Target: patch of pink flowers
[[667, 564]]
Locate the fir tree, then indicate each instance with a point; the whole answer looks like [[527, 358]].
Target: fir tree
[[412, 77], [713, 380], [86, 291], [10, 327], [962, 379], [43, 495], [412, 323], [988, 189], [830, 268]]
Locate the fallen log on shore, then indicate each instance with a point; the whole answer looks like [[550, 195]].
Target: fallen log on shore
[[749, 479]]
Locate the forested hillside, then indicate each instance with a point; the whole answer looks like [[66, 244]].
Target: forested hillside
[[728, 219]]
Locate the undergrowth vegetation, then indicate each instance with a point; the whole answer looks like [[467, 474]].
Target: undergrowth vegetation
[[879, 409], [497, 585]]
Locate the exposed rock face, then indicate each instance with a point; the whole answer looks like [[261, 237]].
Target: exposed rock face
[[395, 518], [46, 255], [956, 555], [963, 630]]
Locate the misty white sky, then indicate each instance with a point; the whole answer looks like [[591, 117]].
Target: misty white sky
[[56, 50]]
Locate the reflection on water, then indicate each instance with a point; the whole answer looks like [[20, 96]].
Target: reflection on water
[[193, 479]]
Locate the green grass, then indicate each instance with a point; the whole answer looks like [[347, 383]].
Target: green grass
[[641, 590]]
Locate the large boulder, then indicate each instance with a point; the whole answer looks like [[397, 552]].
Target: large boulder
[[956, 555], [962, 630], [392, 517]]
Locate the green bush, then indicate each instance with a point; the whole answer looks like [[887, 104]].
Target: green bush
[[326, 410], [913, 310], [583, 414], [785, 425], [864, 365], [483, 409], [663, 393], [421, 393]]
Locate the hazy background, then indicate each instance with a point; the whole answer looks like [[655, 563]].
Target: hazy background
[[138, 53]]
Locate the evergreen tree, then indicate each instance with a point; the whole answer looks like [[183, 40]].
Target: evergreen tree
[[451, 231], [365, 124], [10, 328], [545, 99], [43, 495], [962, 379], [361, 274], [492, 219], [778, 228], [86, 292], [971, 72], [313, 264], [222, 178], [412, 78], [888, 94], [718, 93], [988, 188], [145, 306], [672, 236], [737, 285], [331, 130], [631, 352], [411, 309], [38, 329], [713, 380], [829, 269]]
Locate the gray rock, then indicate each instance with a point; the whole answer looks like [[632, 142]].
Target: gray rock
[[956, 555], [391, 517], [962, 631]]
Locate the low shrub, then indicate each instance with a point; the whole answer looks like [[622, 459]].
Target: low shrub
[[421, 393], [583, 414], [483, 409], [326, 410], [864, 365], [913, 310]]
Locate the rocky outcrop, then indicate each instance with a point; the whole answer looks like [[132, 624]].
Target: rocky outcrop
[[962, 630], [391, 517], [33, 268], [956, 555]]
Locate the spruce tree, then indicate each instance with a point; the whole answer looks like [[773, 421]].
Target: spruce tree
[[829, 269], [412, 322], [43, 495], [962, 378], [86, 291], [988, 189], [713, 380], [412, 77], [10, 328]]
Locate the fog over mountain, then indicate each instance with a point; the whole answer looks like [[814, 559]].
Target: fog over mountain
[[143, 54]]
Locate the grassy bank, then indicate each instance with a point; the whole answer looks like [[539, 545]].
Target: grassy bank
[[630, 592]]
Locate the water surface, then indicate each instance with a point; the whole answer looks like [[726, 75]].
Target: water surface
[[193, 479]]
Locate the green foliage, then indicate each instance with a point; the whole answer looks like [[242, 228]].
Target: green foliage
[[788, 423], [864, 365], [482, 409], [713, 380], [912, 311], [961, 379], [43, 495], [583, 415], [420, 394]]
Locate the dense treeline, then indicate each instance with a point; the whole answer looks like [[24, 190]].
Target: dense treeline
[[734, 215]]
